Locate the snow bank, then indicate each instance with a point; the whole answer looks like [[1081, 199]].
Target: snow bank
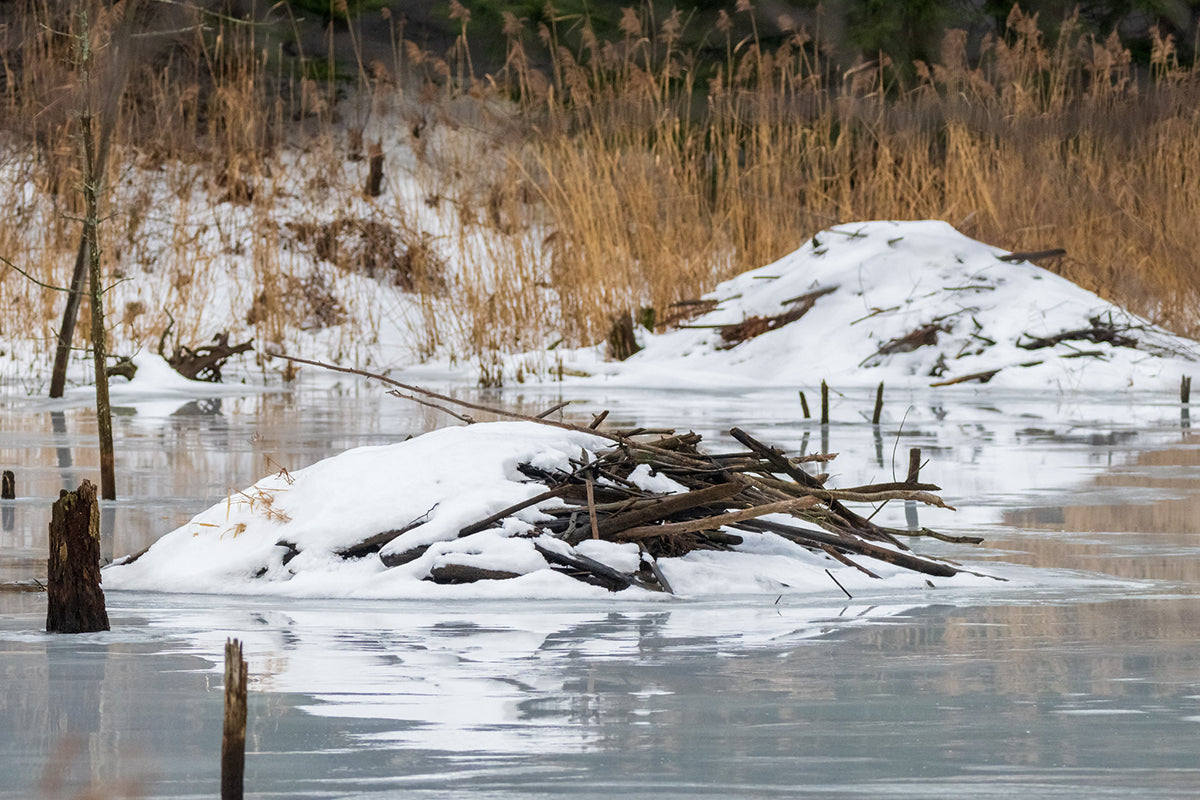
[[913, 304]]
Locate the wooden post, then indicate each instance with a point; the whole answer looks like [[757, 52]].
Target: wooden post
[[1185, 389], [74, 600], [824, 403], [233, 742], [914, 465], [804, 405], [878, 405], [374, 186]]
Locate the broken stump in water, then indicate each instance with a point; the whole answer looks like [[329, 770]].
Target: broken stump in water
[[75, 601], [233, 740]]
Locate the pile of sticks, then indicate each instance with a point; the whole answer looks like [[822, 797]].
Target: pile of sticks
[[757, 489]]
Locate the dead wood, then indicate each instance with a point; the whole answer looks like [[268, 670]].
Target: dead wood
[[685, 310], [608, 577], [463, 573], [722, 495], [74, 599], [396, 559], [1033, 255], [752, 327], [374, 185], [982, 377], [372, 544], [489, 521], [622, 342], [716, 521], [1099, 331], [204, 363], [924, 336]]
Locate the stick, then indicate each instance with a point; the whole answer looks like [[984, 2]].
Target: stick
[[658, 573], [553, 408], [668, 506], [878, 405], [591, 502], [843, 558], [982, 377], [487, 522], [1016, 258], [611, 578], [914, 466], [500, 412], [422, 401], [824, 403], [839, 584], [714, 522]]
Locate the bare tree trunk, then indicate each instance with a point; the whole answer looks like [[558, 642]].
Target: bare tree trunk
[[110, 94], [91, 181], [62, 353]]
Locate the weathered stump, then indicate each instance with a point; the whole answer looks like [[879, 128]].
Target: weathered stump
[[233, 742], [75, 601], [374, 186], [622, 342], [8, 486]]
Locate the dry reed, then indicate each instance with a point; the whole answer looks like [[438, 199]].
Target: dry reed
[[584, 181]]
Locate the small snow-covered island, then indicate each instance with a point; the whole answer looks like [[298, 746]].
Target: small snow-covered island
[[533, 508], [913, 304]]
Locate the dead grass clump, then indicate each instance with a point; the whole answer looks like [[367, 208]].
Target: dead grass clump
[[376, 248], [310, 303]]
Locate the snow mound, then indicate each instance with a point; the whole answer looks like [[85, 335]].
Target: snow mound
[[912, 304], [295, 533]]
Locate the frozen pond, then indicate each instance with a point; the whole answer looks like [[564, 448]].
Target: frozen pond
[[1081, 681]]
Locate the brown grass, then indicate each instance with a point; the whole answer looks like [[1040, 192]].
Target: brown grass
[[619, 175]]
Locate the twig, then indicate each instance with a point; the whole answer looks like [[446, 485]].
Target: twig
[[553, 408], [421, 401], [839, 584], [500, 412]]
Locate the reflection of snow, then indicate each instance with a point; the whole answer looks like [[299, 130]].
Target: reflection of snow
[[496, 678]]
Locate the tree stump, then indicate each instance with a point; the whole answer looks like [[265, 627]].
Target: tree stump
[[374, 186], [622, 342], [75, 601]]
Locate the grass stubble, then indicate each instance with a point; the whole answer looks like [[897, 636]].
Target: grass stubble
[[584, 179]]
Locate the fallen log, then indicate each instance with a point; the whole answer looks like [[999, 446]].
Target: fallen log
[[464, 573]]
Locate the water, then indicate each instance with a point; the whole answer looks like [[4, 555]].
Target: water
[[1077, 685]]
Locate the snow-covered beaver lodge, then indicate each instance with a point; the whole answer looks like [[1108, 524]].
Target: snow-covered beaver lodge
[[914, 304], [536, 507]]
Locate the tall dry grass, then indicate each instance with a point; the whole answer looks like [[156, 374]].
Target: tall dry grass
[[657, 185], [587, 177]]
